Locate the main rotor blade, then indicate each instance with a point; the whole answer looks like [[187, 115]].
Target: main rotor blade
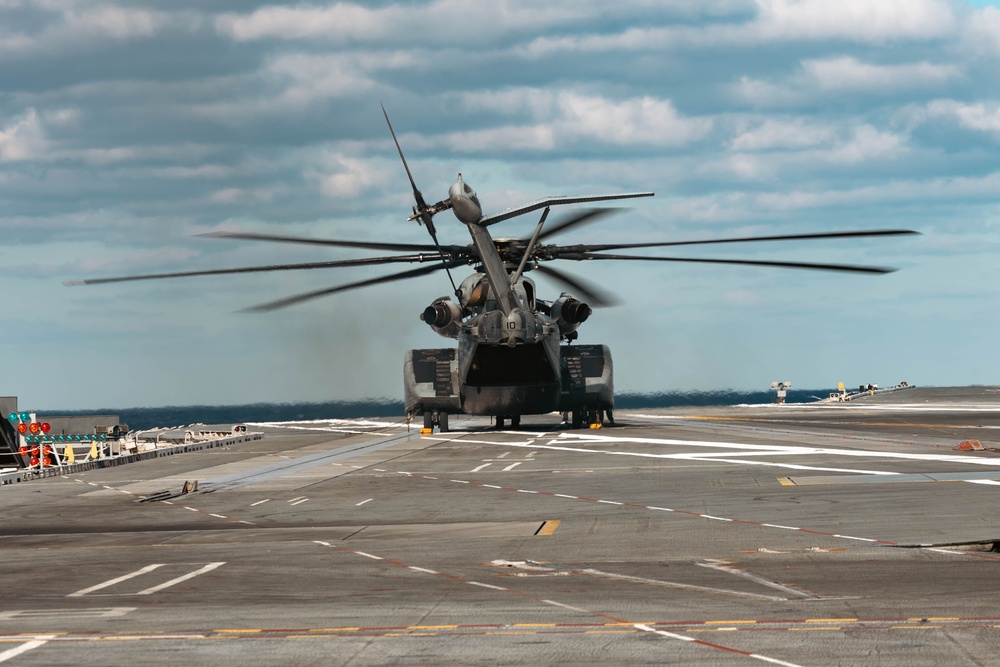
[[426, 216], [416, 193], [494, 218], [366, 261], [371, 245], [555, 250], [592, 294], [585, 216], [844, 268], [306, 296]]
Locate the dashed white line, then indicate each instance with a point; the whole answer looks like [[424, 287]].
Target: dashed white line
[[363, 502], [496, 588], [218, 516], [40, 640], [610, 502], [116, 580], [773, 661], [422, 569], [512, 466], [298, 502], [458, 481], [189, 575], [565, 606], [526, 491], [259, 502], [664, 633], [366, 555]]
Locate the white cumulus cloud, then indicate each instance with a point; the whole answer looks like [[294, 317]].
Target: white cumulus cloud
[[23, 139]]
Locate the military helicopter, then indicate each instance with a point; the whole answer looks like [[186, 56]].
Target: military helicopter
[[514, 353]]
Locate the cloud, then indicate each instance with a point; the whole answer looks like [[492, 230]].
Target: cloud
[[442, 21], [352, 177], [568, 117], [65, 27], [981, 116], [844, 74], [772, 22], [849, 74], [630, 122], [23, 139], [854, 20], [783, 134], [982, 30]]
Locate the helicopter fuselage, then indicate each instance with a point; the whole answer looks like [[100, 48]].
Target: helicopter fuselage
[[508, 361]]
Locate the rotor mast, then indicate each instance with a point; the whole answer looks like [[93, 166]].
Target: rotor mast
[[494, 269]]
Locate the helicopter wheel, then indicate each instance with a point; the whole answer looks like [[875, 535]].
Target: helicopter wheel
[[577, 418], [442, 422], [515, 421], [499, 423], [428, 420]]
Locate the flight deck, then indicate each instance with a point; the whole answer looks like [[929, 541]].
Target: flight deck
[[800, 534]]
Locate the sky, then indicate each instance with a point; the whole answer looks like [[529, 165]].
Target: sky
[[126, 128]]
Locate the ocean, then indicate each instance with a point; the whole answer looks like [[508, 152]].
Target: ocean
[[178, 415]]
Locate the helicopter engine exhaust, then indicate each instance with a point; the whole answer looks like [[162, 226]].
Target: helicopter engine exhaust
[[444, 316], [569, 313], [576, 312]]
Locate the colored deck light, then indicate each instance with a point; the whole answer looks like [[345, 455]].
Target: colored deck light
[[34, 461], [34, 427], [46, 427], [23, 451], [25, 417], [22, 428], [13, 417]]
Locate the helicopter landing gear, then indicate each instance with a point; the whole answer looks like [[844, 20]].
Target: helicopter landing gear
[[578, 419], [440, 419], [515, 421]]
